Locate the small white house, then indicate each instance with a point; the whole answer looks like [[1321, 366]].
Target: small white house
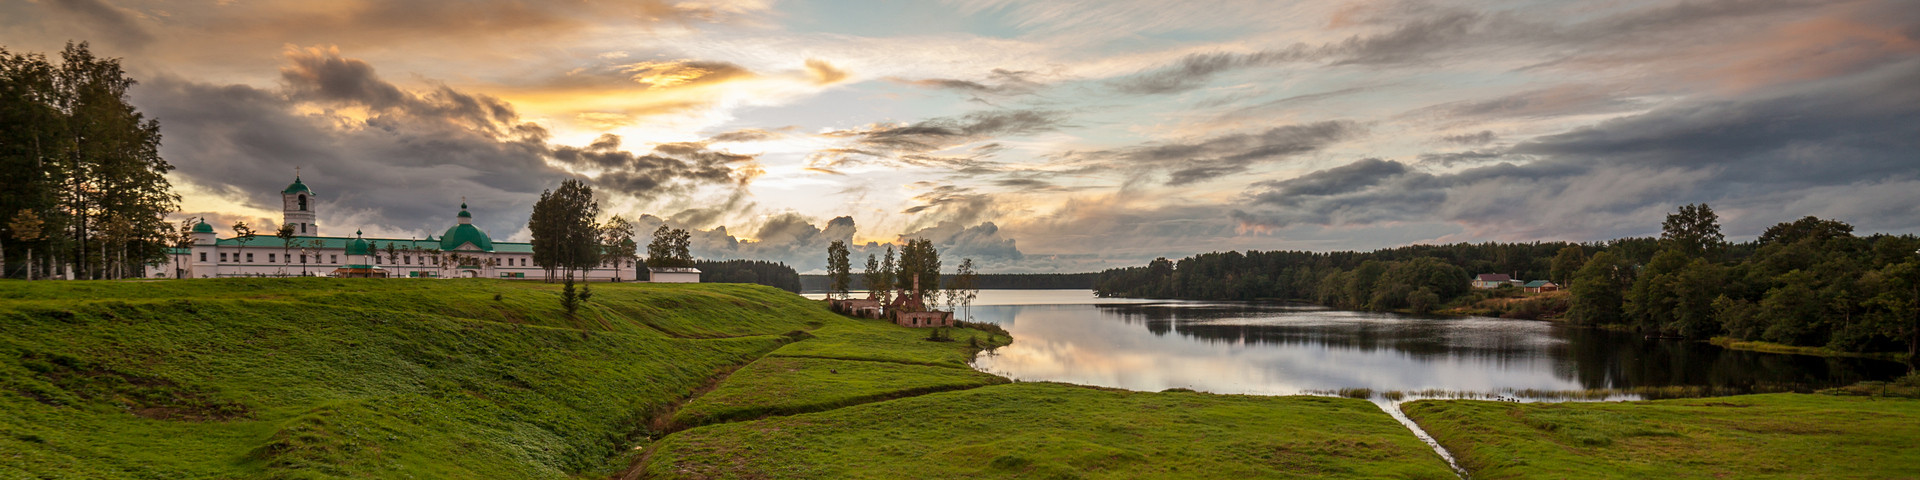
[[673, 275]]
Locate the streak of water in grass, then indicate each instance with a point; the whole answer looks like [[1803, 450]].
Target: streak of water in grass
[[1392, 408]]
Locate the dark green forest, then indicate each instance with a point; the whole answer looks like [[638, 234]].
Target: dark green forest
[[772, 274], [1810, 282]]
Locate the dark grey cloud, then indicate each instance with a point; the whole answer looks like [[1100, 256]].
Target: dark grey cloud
[[1213, 157], [999, 83], [1759, 158], [105, 22], [408, 163], [1558, 101], [982, 243], [1474, 139], [1451, 159], [949, 203], [669, 169], [1365, 191], [915, 144], [1194, 70], [1333, 181], [1419, 33]]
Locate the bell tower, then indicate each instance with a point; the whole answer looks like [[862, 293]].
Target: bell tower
[[299, 204]]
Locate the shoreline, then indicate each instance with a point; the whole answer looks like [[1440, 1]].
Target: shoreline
[[1720, 341]]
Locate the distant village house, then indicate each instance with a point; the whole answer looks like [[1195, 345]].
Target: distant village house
[[1491, 280]]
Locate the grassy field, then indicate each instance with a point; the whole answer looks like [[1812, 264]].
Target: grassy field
[[324, 378], [1047, 430], [1749, 436]]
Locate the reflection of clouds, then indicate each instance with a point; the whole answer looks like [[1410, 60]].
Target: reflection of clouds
[[1067, 343]]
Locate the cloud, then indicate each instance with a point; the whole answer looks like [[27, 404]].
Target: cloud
[[683, 73], [107, 22], [1418, 33], [824, 73], [1450, 159], [379, 155], [671, 168], [915, 144], [1482, 138], [795, 240], [982, 243], [1209, 158], [1760, 158], [999, 83]]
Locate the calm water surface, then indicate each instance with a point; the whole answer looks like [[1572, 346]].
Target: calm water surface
[[1232, 347]]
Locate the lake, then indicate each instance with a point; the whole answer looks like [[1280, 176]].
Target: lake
[[1277, 349]]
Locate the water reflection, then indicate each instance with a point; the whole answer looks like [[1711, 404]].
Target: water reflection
[[1280, 349]]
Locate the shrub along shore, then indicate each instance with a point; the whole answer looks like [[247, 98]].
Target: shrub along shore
[[332, 378]]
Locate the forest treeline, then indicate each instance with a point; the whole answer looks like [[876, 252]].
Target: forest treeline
[[990, 281], [1809, 282], [772, 274], [83, 189]]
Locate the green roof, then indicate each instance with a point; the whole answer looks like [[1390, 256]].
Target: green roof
[[1536, 284], [329, 242], [297, 187], [202, 227], [358, 247], [463, 234], [342, 242]]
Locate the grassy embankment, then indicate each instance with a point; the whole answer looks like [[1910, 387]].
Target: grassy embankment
[[1513, 303], [1748, 436], [322, 378], [1770, 347]]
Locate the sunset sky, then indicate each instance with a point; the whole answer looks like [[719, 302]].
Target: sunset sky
[[1058, 136]]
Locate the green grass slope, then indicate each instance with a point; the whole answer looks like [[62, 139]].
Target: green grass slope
[[1046, 430], [1749, 436], [787, 385], [325, 378]]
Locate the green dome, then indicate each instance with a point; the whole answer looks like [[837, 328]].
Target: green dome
[[297, 187], [202, 227], [358, 247], [463, 234], [463, 211]]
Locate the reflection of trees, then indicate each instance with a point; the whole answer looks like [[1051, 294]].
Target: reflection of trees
[[1421, 340], [1591, 357], [1608, 359]]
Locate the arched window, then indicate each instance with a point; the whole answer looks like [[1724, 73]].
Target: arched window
[[303, 203]]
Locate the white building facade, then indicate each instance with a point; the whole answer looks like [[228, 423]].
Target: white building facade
[[463, 251]]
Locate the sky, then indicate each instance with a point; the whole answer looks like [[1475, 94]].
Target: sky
[[1046, 136]]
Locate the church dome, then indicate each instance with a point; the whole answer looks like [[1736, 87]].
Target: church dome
[[202, 227], [463, 234], [358, 246], [297, 187]]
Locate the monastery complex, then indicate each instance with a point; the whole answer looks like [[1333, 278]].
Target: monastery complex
[[463, 251]]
